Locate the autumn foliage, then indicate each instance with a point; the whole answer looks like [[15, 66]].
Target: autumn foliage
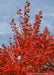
[[35, 49]]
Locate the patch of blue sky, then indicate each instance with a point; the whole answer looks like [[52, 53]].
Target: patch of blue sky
[[8, 11]]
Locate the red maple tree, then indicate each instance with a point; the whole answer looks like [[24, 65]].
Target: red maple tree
[[36, 50]]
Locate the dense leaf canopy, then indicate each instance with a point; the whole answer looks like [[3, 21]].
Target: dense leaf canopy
[[35, 49]]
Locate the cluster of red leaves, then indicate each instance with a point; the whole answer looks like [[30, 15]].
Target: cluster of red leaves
[[35, 49]]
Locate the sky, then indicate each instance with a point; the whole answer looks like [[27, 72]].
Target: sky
[[8, 11]]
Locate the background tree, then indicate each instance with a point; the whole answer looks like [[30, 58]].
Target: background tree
[[35, 49]]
